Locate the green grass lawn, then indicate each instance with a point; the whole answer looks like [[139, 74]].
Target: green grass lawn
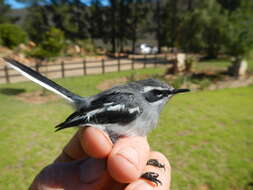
[[206, 135]]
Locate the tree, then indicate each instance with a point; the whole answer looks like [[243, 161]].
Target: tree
[[111, 21], [69, 16], [122, 23], [203, 29], [190, 32], [4, 9], [167, 30], [37, 22], [230, 5], [138, 12], [97, 19], [159, 25], [239, 30], [215, 31], [123, 19]]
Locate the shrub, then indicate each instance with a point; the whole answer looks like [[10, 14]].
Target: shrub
[[12, 35], [204, 84], [51, 45], [190, 63], [179, 81], [39, 53], [88, 45], [53, 42]]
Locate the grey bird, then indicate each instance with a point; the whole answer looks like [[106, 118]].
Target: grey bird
[[132, 109]]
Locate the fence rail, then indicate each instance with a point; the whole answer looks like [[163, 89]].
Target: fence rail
[[88, 67]]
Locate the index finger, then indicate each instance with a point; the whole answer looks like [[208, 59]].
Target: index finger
[[128, 158], [87, 142]]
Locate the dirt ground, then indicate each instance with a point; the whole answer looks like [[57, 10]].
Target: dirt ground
[[37, 97]]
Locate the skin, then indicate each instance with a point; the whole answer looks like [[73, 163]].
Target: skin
[[91, 162]]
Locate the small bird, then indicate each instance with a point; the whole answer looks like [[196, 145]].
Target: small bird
[[132, 109]]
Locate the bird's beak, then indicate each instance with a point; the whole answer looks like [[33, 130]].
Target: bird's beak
[[176, 91]]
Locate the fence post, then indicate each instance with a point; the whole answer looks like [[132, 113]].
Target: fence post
[[132, 63], [62, 69], [165, 57], [103, 66], [84, 67], [118, 57], [7, 77], [145, 61], [37, 67]]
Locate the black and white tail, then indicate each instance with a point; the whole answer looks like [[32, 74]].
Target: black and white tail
[[43, 81]]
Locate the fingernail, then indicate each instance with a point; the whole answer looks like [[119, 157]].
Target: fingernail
[[131, 155], [92, 169], [140, 185]]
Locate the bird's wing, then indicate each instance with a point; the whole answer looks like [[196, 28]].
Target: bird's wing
[[41, 80], [108, 112]]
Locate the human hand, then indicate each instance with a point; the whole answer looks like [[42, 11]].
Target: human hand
[[91, 162]]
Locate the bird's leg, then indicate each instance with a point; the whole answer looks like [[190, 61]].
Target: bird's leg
[[154, 162], [152, 176], [113, 136]]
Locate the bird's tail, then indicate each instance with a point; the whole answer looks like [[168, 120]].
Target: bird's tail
[[43, 81], [75, 119]]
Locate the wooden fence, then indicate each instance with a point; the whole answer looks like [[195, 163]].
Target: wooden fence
[[87, 67]]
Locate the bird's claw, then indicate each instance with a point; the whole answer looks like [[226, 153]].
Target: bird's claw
[[152, 176], [154, 162]]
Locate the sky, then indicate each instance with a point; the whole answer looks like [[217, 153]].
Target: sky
[[16, 5]]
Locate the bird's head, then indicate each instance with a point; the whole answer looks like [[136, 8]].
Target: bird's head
[[157, 93]]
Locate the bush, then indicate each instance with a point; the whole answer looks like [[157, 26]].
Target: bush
[[51, 45], [12, 35], [179, 81], [53, 42], [190, 63], [39, 53], [88, 45]]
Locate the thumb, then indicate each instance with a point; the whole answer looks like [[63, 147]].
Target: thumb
[[82, 174]]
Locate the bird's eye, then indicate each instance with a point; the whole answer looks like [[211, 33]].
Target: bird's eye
[[157, 93], [154, 95]]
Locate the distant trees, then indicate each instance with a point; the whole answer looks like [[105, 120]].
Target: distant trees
[[214, 33], [211, 27], [11, 35], [69, 16], [4, 9], [96, 20], [111, 22], [239, 31], [169, 18], [118, 22], [230, 5], [207, 26], [137, 19]]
